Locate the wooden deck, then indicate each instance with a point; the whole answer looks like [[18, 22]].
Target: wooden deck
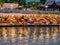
[[27, 25]]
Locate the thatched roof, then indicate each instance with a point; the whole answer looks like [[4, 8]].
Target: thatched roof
[[50, 3], [58, 3], [53, 2]]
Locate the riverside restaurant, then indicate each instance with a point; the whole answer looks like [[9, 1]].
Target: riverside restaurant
[[12, 33]]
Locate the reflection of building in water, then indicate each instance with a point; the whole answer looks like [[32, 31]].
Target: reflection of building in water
[[55, 34], [4, 33], [12, 32], [23, 30], [34, 32], [47, 32], [17, 33]]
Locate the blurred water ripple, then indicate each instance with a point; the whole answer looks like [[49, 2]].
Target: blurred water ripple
[[30, 35]]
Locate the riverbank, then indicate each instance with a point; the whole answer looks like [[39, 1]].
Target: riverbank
[[29, 11]]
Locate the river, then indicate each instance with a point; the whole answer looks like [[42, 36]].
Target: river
[[30, 35]]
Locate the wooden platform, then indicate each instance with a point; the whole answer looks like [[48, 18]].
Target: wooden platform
[[27, 25]]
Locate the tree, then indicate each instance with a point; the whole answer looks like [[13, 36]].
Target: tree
[[1, 3], [10, 1], [6, 1], [33, 5], [42, 1], [22, 2]]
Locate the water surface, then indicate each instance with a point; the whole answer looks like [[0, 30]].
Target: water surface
[[30, 35]]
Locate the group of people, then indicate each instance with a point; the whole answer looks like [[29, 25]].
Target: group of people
[[38, 19]]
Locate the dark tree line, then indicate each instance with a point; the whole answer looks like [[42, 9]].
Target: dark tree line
[[23, 2], [42, 1], [20, 2]]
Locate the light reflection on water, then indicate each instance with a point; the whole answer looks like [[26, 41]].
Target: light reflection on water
[[30, 35]]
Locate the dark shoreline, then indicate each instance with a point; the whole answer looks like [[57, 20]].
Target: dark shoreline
[[28, 25], [28, 11]]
